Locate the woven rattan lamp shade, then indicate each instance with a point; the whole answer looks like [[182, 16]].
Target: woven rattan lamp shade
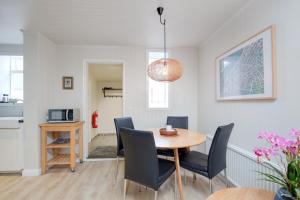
[[165, 70]]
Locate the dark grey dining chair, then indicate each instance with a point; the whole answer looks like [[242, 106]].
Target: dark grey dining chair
[[141, 162], [212, 164], [175, 122], [123, 122], [178, 121]]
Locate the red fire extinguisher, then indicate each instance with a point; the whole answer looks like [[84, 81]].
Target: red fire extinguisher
[[94, 119]]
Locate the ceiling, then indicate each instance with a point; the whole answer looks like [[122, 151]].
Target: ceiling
[[115, 22], [106, 73]]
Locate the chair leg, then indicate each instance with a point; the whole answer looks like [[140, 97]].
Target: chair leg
[[210, 186], [117, 167], [155, 195], [184, 174], [194, 177], [175, 186], [125, 189], [225, 174]]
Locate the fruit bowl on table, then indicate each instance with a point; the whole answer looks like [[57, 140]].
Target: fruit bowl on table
[[164, 132]]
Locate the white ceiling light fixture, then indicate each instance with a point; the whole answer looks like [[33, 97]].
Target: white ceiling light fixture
[[165, 69]]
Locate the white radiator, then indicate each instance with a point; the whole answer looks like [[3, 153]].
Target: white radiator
[[242, 167]]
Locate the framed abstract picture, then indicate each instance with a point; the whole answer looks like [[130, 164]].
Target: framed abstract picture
[[67, 83], [248, 70]]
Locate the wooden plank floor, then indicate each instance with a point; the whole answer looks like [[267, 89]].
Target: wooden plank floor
[[94, 180]]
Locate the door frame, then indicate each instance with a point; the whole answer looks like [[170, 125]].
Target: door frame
[[85, 98]]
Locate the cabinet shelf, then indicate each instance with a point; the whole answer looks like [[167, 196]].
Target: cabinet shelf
[[57, 146], [61, 159], [60, 146], [112, 92]]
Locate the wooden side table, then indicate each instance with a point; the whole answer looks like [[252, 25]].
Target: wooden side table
[[61, 159], [242, 194]]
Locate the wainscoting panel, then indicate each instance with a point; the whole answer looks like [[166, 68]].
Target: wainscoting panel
[[242, 167]]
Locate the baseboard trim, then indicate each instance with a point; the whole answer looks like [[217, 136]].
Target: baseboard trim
[[31, 172], [231, 183], [104, 134], [101, 159]]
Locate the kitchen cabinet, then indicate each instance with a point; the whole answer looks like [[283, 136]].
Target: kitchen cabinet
[[11, 144], [59, 158]]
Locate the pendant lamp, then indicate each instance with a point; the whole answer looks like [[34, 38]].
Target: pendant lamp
[[165, 69]]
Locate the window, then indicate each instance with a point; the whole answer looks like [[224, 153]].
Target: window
[[158, 92], [11, 76]]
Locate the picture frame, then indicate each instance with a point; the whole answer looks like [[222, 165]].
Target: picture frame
[[67, 82], [248, 70]]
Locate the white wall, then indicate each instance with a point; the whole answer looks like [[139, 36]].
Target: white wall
[[93, 100], [39, 58], [252, 116], [108, 108], [183, 93], [45, 63]]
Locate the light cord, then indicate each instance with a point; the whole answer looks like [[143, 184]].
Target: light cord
[[165, 42]]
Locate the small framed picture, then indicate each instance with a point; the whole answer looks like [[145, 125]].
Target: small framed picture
[[68, 83]]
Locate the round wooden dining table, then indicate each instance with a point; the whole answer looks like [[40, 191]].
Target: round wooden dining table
[[242, 194], [184, 139]]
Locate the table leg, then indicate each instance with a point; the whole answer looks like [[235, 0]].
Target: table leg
[[176, 157], [44, 150], [72, 149], [81, 144]]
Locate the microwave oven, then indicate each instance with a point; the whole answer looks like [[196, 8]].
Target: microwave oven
[[63, 115]]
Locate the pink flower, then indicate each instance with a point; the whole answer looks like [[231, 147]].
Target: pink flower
[[278, 143], [266, 152], [265, 135], [295, 132], [293, 149], [258, 152], [274, 151]]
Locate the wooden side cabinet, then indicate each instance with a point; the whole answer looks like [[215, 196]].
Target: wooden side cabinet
[[59, 158]]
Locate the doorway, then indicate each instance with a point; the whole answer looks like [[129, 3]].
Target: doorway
[[105, 102]]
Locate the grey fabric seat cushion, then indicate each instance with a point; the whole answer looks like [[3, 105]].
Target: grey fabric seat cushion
[[195, 161], [170, 152]]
